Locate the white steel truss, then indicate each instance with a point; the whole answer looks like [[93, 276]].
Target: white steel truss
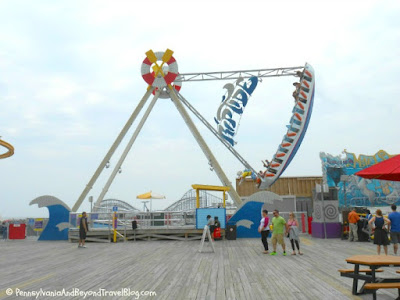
[[230, 75]]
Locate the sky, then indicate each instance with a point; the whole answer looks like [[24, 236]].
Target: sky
[[70, 78]]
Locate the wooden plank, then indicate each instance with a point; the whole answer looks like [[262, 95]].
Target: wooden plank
[[175, 270]]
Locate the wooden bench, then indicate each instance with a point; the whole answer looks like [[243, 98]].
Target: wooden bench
[[346, 271], [385, 285]]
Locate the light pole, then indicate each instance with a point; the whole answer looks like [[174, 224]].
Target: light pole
[[323, 186], [91, 203]]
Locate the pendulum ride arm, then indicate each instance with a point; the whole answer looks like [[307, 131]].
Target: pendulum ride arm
[[230, 75], [207, 152], [212, 129], [112, 150], [127, 149]]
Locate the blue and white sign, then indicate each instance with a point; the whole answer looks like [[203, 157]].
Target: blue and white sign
[[232, 106], [115, 208]]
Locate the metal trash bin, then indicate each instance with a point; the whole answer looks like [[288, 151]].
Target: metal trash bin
[[230, 232]]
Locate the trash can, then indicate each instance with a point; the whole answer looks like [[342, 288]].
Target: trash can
[[230, 232]]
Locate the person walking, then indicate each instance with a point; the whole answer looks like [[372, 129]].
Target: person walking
[[5, 230], [217, 223], [380, 235], [292, 227], [367, 228], [394, 228], [83, 229], [278, 229], [264, 230], [368, 215], [353, 218]]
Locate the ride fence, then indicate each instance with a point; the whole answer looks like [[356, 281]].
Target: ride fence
[[157, 219], [103, 220]]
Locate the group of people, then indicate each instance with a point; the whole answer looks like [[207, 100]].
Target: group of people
[[280, 229], [379, 226]]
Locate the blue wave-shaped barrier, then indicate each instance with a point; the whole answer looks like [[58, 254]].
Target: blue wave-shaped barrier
[[247, 220], [55, 229]]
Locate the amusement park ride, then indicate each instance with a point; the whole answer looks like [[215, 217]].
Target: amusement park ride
[[9, 147], [160, 72]]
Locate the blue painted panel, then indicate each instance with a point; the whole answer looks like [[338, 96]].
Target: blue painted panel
[[57, 214], [202, 213], [247, 219]]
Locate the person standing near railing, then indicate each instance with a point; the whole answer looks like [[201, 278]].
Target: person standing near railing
[[83, 229], [353, 218], [211, 225], [264, 230], [292, 228], [394, 228], [380, 234], [5, 229]]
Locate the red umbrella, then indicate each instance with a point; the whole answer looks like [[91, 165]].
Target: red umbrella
[[386, 170]]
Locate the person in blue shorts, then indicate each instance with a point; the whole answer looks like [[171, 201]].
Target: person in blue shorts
[[394, 228]]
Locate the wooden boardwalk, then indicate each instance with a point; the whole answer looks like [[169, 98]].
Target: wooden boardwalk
[[175, 269]]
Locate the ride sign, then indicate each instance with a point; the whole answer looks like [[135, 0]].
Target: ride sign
[[233, 104]]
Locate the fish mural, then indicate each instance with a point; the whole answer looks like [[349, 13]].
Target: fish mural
[[57, 227]]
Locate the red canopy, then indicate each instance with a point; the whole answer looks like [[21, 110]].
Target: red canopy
[[386, 170]]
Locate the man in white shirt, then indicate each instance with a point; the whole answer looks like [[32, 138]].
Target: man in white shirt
[[264, 230]]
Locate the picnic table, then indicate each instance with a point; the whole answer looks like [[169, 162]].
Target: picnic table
[[371, 282]]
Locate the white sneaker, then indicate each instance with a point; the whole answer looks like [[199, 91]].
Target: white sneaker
[[83, 246]]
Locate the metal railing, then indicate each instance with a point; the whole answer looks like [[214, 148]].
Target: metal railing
[[103, 220], [156, 219], [298, 216]]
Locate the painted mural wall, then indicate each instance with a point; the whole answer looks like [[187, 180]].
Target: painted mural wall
[[357, 191]]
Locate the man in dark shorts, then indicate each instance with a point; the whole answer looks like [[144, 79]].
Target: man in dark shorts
[[394, 228], [83, 229]]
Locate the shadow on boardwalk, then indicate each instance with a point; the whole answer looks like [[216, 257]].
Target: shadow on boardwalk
[[175, 270]]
